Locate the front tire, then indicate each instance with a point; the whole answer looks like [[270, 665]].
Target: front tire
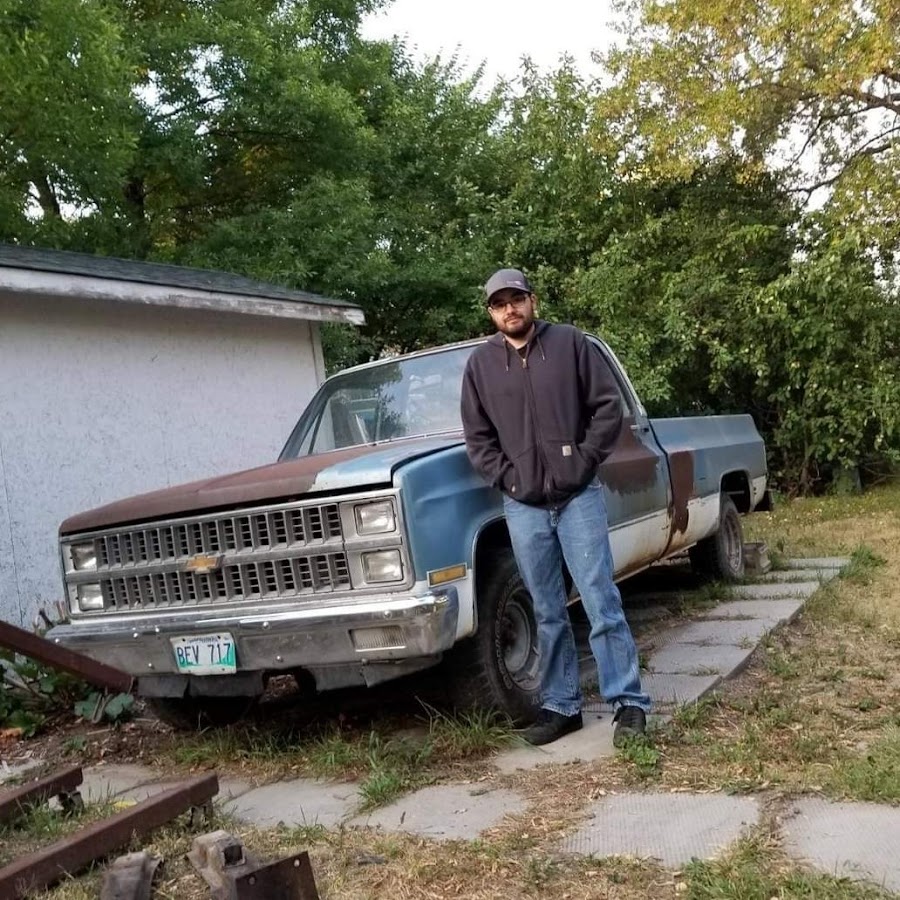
[[498, 668], [721, 555]]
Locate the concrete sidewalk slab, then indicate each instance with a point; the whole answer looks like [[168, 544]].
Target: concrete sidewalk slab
[[303, 801], [230, 788], [592, 742], [694, 659], [775, 590], [722, 631], [771, 610], [818, 562], [445, 811], [673, 828], [852, 840], [121, 781], [18, 770], [677, 690], [134, 783], [789, 575]]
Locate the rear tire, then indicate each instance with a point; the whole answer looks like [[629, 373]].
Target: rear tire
[[198, 713], [721, 555], [498, 668]]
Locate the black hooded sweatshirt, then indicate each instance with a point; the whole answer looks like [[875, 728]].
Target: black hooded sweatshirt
[[539, 421]]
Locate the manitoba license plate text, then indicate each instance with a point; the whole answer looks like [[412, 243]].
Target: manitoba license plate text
[[205, 654]]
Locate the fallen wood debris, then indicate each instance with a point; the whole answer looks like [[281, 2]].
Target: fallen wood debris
[[70, 855], [64, 784], [130, 877], [57, 657], [233, 874]]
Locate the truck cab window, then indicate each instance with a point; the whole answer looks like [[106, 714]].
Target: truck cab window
[[388, 401]]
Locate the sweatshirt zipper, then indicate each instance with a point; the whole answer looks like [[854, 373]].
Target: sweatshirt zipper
[[548, 487]]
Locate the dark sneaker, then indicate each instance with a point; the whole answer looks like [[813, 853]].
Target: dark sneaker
[[549, 726], [631, 722]]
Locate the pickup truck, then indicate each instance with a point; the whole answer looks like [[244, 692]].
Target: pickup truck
[[371, 549]]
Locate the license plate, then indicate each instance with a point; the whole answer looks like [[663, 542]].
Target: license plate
[[205, 654]]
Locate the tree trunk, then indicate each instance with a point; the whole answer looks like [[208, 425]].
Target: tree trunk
[[135, 193], [46, 195]]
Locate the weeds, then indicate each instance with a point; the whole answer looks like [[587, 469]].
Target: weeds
[[702, 597], [778, 556], [387, 764], [781, 664], [754, 869], [41, 825], [382, 786], [874, 777], [468, 734], [98, 706], [232, 745], [696, 715], [74, 744], [642, 754], [862, 566], [31, 693]]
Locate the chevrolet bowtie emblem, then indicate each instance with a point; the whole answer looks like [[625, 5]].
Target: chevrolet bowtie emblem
[[203, 563]]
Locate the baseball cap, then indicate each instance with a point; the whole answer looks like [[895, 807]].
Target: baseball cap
[[506, 278]]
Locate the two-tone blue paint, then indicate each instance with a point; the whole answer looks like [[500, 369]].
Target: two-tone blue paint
[[718, 445], [445, 506], [378, 465]]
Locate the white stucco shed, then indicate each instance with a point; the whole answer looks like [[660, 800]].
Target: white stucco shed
[[118, 377]]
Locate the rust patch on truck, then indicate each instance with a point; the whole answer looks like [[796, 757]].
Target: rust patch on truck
[[631, 467], [284, 479], [681, 475]]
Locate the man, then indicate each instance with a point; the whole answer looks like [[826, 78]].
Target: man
[[541, 409]]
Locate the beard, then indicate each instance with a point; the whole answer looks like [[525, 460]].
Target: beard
[[517, 326]]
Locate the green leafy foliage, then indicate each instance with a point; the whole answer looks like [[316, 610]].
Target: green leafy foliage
[[30, 693], [677, 280], [808, 88], [97, 706], [718, 300], [562, 196], [651, 207], [66, 119]]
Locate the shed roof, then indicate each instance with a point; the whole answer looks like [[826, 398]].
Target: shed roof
[[59, 272]]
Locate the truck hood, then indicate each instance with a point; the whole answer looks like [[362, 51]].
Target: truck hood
[[339, 470]]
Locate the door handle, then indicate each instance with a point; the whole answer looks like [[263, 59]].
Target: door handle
[[640, 429]]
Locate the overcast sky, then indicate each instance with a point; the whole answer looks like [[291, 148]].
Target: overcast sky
[[499, 32]]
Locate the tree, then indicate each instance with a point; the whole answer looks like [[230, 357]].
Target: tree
[[268, 139], [437, 165], [825, 342], [561, 195], [720, 299], [813, 87], [673, 287], [66, 113]]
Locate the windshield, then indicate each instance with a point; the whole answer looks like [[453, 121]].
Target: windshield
[[395, 399]]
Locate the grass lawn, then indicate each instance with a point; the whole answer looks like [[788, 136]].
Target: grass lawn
[[817, 710]]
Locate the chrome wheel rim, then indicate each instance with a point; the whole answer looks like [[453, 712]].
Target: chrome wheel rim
[[734, 545], [521, 656]]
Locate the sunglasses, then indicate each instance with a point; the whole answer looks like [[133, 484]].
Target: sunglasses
[[517, 301]]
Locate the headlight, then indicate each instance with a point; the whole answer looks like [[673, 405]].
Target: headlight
[[83, 556], [89, 596], [375, 518], [381, 566]]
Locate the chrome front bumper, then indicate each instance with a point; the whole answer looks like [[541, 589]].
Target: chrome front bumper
[[375, 630]]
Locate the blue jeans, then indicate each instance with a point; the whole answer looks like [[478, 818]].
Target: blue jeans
[[578, 533]]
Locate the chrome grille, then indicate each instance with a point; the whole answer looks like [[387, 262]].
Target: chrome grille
[[278, 578], [298, 527], [143, 567]]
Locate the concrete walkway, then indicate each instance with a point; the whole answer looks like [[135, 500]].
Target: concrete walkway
[[854, 840]]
